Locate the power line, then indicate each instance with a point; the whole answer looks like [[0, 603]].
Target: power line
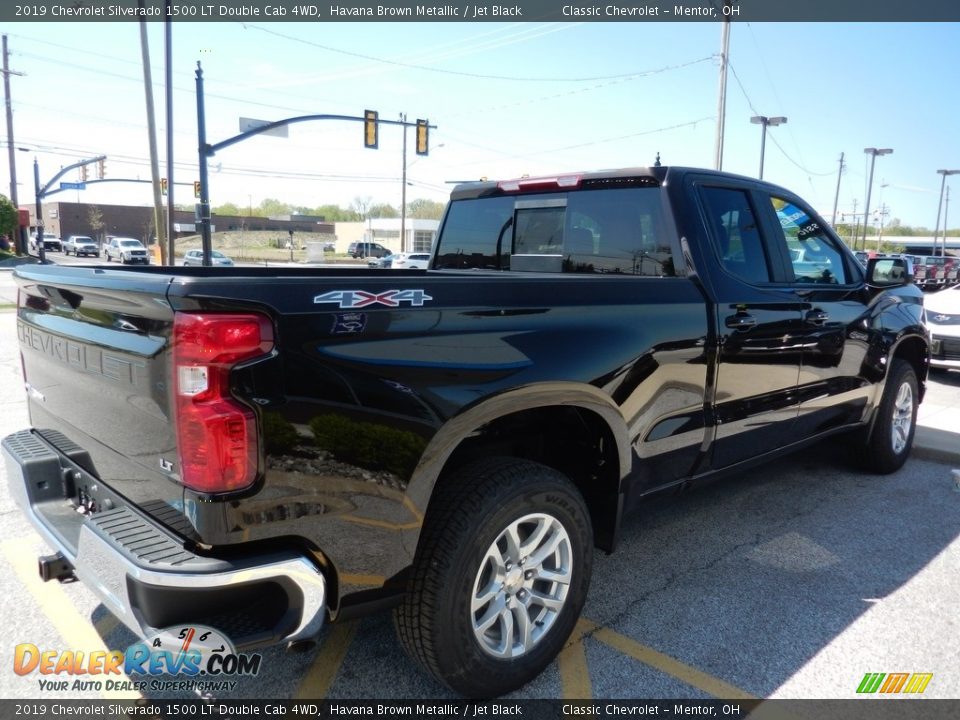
[[772, 138], [458, 73]]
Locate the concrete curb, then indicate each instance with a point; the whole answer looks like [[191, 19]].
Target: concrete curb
[[937, 445]]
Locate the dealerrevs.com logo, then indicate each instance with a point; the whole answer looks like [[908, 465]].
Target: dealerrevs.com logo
[[894, 683], [202, 657]]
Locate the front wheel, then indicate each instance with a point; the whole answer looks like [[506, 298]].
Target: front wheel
[[499, 578], [888, 445]]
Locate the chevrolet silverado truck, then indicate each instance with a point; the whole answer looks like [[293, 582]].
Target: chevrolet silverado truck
[[265, 450]]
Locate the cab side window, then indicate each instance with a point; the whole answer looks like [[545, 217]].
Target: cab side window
[[736, 237], [813, 255]]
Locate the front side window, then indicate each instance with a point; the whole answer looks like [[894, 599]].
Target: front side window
[[813, 255]]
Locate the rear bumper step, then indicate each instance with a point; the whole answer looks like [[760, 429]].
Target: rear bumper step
[[144, 574]]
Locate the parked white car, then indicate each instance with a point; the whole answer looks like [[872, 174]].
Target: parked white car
[[127, 250], [409, 261], [942, 311]]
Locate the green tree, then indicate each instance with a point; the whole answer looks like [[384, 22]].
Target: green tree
[[335, 213], [226, 209], [423, 209], [383, 210], [271, 207], [8, 218]]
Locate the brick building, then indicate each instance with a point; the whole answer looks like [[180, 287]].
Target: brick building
[[65, 219]]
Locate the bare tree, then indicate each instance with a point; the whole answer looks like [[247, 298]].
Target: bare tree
[[95, 220]]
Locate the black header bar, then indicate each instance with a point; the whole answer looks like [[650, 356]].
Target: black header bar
[[483, 11]]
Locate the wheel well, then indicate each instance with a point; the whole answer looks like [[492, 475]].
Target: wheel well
[[915, 351], [572, 440]]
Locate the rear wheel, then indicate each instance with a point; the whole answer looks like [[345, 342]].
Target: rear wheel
[[888, 445], [500, 576]]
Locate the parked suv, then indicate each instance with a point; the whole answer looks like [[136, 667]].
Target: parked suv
[[367, 249], [80, 245], [127, 250]]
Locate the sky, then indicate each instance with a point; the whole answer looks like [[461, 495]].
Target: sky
[[508, 99]]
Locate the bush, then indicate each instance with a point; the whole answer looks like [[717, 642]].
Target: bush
[[280, 436], [369, 445]]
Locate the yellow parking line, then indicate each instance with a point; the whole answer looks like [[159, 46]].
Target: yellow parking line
[[106, 624], [371, 580], [572, 663], [318, 679], [647, 655], [55, 604]]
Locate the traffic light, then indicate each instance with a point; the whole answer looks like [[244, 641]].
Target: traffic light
[[196, 188], [423, 137], [101, 168], [83, 173], [163, 186], [370, 128]]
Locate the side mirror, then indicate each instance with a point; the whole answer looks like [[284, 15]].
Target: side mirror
[[889, 272]]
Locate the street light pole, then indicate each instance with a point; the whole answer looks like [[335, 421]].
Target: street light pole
[[872, 152], [936, 228], [763, 121]]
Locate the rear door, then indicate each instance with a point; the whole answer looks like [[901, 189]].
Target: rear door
[[758, 327]]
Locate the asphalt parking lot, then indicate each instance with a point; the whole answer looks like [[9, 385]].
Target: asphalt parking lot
[[790, 581]]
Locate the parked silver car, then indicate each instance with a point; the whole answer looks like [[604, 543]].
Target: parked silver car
[[195, 257], [126, 250], [80, 245]]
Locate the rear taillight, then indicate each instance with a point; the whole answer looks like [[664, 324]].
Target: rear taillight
[[216, 435]]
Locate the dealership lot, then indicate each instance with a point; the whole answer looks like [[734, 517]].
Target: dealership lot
[[791, 580]]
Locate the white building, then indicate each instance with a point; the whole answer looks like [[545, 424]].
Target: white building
[[418, 234]]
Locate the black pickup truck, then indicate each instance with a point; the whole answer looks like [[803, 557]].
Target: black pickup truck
[[265, 450]]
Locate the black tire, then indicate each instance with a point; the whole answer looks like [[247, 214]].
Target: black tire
[[457, 553], [888, 445]]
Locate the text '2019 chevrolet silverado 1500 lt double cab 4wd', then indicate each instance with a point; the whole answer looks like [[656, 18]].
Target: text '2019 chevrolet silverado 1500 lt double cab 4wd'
[[288, 447]]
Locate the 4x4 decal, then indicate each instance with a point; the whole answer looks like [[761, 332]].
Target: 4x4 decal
[[353, 299]]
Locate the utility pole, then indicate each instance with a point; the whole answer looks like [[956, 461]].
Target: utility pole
[[159, 220], [722, 95], [168, 90], [19, 241], [884, 211], [403, 188], [836, 196]]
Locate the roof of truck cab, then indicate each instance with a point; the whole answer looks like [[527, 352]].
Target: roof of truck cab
[[654, 176]]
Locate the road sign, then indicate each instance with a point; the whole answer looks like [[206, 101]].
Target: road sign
[[252, 123], [73, 186]]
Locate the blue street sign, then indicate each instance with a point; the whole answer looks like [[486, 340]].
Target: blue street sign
[[73, 186]]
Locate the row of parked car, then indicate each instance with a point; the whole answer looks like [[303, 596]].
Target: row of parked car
[[123, 250], [930, 272]]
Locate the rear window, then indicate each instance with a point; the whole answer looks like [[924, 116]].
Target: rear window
[[618, 231]]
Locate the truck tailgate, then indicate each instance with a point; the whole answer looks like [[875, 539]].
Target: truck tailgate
[[95, 345]]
